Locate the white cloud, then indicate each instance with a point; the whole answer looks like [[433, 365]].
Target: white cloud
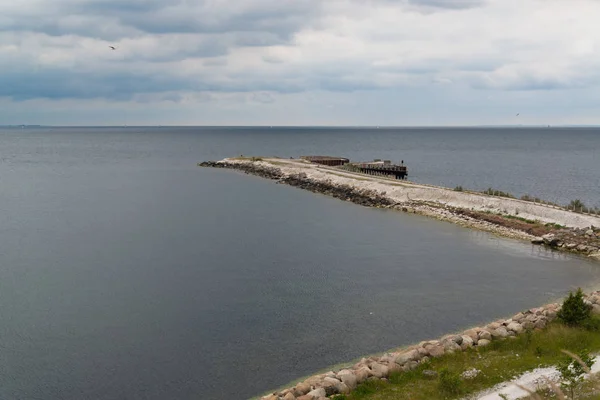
[[264, 51]]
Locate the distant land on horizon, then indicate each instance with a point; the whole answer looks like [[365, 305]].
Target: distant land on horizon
[[301, 126]]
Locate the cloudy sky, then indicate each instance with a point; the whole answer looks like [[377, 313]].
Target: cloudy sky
[[299, 62]]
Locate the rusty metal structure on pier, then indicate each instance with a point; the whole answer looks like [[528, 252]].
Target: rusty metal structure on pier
[[326, 160], [375, 167], [379, 168]]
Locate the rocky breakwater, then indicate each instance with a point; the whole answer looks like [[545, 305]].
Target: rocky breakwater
[[581, 241], [323, 386], [556, 228], [364, 197]]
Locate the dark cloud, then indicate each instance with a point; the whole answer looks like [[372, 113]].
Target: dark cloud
[[264, 22], [23, 84]]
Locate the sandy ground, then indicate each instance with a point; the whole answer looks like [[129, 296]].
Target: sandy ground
[[403, 192]]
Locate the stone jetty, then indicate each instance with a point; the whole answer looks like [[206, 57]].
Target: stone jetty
[[543, 225]]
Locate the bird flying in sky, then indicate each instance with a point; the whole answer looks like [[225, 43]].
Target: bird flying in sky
[[518, 114], [112, 47]]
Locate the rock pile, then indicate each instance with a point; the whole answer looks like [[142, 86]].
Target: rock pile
[[367, 198], [322, 386], [582, 241]]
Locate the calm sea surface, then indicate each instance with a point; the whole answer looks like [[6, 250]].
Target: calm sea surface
[[126, 272]]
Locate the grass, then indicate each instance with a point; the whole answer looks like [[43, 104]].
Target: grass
[[529, 221], [499, 362], [499, 193]]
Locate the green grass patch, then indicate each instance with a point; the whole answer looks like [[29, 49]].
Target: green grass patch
[[529, 221], [499, 193], [499, 362]]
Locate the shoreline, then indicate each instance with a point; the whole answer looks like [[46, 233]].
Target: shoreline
[[557, 229], [544, 225]]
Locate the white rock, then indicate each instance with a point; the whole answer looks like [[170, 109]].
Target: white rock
[[467, 342], [319, 392], [379, 370], [483, 342], [515, 327], [403, 358], [500, 332], [485, 335], [470, 373], [349, 379]]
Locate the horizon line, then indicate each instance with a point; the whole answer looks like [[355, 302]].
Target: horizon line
[[301, 126]]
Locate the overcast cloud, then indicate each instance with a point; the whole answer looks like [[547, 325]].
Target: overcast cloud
[[308, 62]]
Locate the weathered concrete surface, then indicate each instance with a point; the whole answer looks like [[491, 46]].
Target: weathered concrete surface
[[403, 192]]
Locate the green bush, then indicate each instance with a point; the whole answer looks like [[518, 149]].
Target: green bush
[[499, 193], [574, 311], [576, 205], [591, 324], [449, 382]]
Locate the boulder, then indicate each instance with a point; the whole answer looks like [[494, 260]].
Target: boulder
[[483, 342], [305, 397], [515, 327], [362, 374], [450, 346], [271, 397], [379, 370], [541, 324], [493, 326], [485, 335], [537, 240], [571, 246], [595, 309], [409, 366], [422, 352], [334, 381], [518, 317], [349, 379], [403, 358], [589, 232], [527, 325], [315, 394], [473, 334], [500, 332], [289, 396], [550, 239], [435, 350], [467, 342], [301, 389], [387, 358]]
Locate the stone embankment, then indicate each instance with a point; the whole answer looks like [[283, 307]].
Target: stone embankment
[[469, 210], [322, 386], [581, 241]]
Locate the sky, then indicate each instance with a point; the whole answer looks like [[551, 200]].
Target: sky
[[299, 62]]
